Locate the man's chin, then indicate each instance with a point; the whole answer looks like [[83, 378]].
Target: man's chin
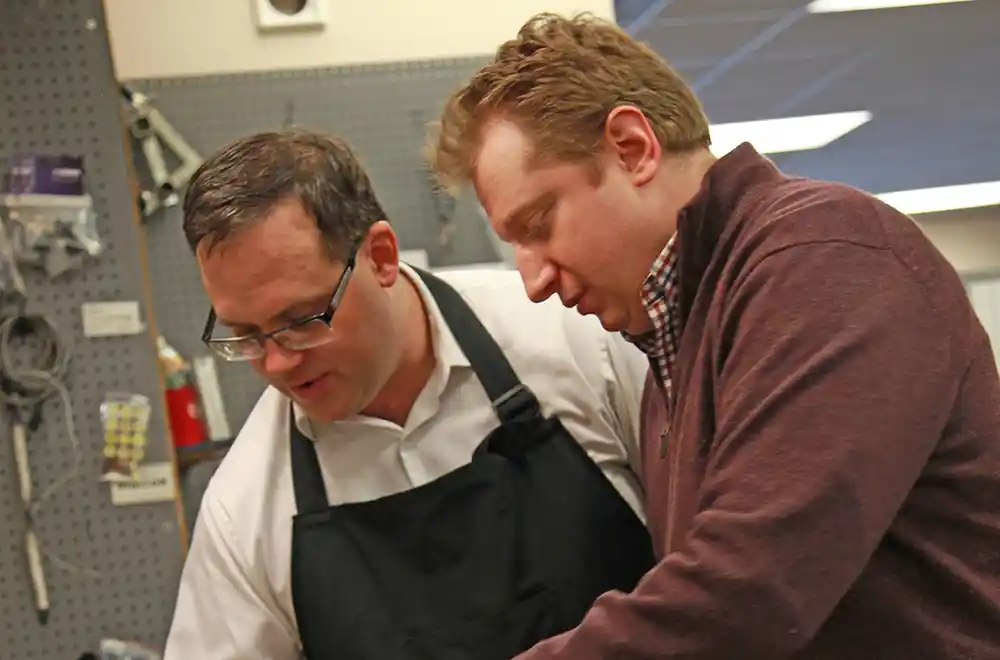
[[322, 413], [613, 321]]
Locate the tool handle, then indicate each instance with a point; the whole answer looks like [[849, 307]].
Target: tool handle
[[34, 553], [19, 433], [19, 437]]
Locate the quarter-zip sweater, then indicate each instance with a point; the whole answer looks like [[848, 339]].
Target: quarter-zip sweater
[[830, 489]]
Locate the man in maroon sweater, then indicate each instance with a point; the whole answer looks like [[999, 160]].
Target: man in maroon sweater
[[822, 431]]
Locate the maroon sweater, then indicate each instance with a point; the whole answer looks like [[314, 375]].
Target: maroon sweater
[[830, 487]]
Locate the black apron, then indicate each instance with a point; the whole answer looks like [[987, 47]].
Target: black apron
[[480, 564]]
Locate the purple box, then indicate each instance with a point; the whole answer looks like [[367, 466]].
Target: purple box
[[45, 175]]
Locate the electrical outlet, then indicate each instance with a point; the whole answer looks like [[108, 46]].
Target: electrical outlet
[[274, 15]]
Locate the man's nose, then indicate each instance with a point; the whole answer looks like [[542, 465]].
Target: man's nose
[[538, 274], [278, 360]]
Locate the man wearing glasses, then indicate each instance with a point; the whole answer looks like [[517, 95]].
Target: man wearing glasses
[[439, 469]]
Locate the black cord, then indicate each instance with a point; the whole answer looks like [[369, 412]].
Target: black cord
[[24, 388]]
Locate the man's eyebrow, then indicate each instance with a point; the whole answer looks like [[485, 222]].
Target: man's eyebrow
[[516, 223]]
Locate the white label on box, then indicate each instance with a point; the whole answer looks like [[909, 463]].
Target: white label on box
[[112, 319], [155, 483]]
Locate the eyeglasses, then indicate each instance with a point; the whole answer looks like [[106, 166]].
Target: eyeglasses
[[300, 335]]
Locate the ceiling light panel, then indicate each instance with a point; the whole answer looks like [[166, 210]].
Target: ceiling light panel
[[944, 198], [774, 136], [829, 6]]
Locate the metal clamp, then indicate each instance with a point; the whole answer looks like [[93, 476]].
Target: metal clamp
[[153, 132]]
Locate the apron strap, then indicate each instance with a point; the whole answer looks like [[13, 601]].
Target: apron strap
[[512, 400], [307, 478]]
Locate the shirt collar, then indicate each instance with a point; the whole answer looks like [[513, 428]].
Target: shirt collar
[[659, 282], [446, 347]]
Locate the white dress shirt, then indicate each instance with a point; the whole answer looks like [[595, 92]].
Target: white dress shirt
[[235, 599]]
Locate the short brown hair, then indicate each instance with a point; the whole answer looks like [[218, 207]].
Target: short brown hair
[[246, 179], [557, 81]]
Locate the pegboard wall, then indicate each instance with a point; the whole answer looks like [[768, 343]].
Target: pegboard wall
[[381, 110], [58, 96]]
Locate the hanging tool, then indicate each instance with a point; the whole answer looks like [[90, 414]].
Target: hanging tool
[[153, 132], [444, 204], [19, 436], [289, 123], [24, 389]]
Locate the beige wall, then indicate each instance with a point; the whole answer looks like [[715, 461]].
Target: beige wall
[[969, 239], [166, 38]]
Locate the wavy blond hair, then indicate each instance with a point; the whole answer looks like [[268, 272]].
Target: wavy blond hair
[[557, 80]]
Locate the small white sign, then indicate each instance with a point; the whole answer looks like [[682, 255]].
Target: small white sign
[[155, 483], [112, 319]]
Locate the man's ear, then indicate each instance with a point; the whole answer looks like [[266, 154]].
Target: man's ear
[[630, 140], [382, 250]]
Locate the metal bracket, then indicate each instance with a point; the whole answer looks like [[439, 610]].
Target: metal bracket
[[153, 132]]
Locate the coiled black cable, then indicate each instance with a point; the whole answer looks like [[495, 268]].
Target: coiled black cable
[[23, 388]]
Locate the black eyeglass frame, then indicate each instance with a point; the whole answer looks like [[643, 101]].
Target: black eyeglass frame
[[326, 316]]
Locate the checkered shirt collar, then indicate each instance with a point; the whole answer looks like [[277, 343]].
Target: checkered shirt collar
[[661, 300]]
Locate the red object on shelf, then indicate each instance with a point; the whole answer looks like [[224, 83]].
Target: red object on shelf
[[186, 424]]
